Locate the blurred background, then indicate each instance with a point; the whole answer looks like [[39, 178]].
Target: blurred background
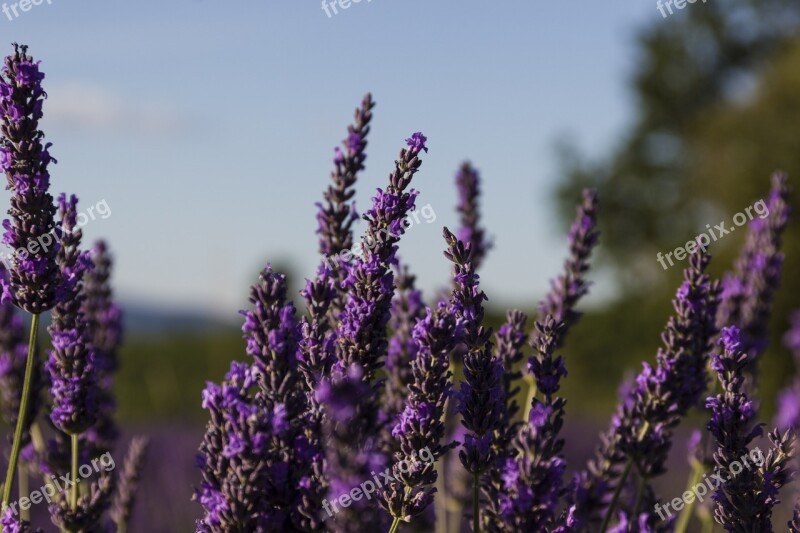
[[208, 128]]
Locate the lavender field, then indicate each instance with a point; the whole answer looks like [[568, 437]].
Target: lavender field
[[400, 267]]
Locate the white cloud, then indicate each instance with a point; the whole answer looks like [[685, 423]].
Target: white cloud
[[95, 109]]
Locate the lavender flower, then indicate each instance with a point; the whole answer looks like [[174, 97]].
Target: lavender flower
[[510, 340], [34, 277], [361, 340], [272, 334], [748, 291], [420, 425], [125, 496], [641, 430], [532, 479], [240, 485], [789, 399], [470, 232], [71, 363], [11, 524], [481, 399], [571, 285], [745, 499], [316, 354], [104, 321], [338, 213]]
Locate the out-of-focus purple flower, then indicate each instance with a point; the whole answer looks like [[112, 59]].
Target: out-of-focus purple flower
[[104, 320], [748, 290], [788, 415], [34, 275], [468, 207], [745, 498], [571, 285]]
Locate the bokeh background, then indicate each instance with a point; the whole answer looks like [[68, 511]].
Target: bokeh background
[[208, 128]]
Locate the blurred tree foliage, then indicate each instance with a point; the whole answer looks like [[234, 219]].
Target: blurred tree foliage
[[717, 89]]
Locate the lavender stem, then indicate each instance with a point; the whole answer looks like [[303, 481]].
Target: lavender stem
[[613, 504], [74, 491], [476, 505], [23, 413]]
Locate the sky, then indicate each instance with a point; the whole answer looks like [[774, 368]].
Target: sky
[[206, 128]]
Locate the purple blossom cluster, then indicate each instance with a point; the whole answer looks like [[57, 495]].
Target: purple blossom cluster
[[51, 272], [322, 428]]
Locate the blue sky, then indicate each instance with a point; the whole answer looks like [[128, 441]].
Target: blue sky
[[208, 127]]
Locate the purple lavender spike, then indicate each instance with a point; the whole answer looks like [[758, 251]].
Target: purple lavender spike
[[744, 501], [34, 275], [641, 429], [748, 291], [468, 207]]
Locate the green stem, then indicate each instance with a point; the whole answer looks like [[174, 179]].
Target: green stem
[[476, 504], [639, 494], [395, 525], [23, 490], [440, 501], [74, 489], [686, 514], [613, 504], [531, 395], [23, 413]]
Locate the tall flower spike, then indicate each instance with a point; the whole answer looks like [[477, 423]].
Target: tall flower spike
[[468, 207], [571, 285], [370, 283], [641, 430], [71, 363], [239, 483], [533, 477], [24, 158], [338, 212], [748, 291], [744, 501], [125, 496], [272, 334], [361, 337], [420, 426], [481, 399], [104, 319]]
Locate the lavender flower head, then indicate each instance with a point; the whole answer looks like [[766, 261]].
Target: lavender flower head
[[641, 429], [24, 158], [749, 290], [744, 501], [420, 426], [788, 415], [470, 232], [571, 285], [71, 363], [104, 321]]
